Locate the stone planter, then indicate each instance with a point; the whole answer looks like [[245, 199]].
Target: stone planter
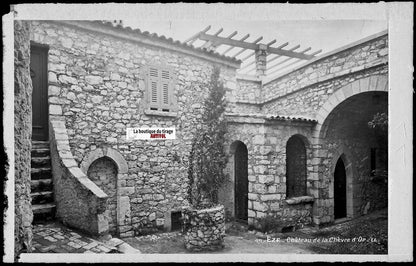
[[204, 229]]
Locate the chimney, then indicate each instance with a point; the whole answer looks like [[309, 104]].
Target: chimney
[[116, 23]]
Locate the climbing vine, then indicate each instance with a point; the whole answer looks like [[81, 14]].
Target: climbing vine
[[207, 159], [380, 124]]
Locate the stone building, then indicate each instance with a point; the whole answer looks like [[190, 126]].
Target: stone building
[[299, 146]]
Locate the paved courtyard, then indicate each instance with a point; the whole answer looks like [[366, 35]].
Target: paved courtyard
[[370, 232], [363, 235], [53, 237]]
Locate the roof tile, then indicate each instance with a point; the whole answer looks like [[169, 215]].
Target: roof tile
[[162, 38]]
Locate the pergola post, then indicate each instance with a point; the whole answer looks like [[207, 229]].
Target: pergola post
[[261, 55], [258, 50]]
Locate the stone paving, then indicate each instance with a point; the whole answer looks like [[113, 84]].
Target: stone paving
[[239, 239], [53, 237]]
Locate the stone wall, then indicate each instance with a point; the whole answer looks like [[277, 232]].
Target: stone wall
[[308, 101], [204, 229], [348, 136], [244, 96], [311, 91], [99, 90], [266, 144], [364, 56], [23, 137], [79, 202]]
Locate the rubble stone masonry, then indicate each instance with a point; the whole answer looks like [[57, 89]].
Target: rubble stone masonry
[[23, 137], [97, 82], [311, 91], [97, 85]]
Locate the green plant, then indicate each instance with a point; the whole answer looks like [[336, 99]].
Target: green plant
[[379, 121], [380, 124], [207, 158]]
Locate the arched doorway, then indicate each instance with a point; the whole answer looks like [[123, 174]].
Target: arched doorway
[[295, 167], [241, 181], [103, 172], [121, 216], [340, 190], [343, 127]]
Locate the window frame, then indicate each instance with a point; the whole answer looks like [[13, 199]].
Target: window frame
[[160, 90]]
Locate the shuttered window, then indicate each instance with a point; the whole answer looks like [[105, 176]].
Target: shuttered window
[[160, 89]]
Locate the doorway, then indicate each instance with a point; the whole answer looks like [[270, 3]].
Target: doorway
[[340, 190], [39, 75], [241, 182]]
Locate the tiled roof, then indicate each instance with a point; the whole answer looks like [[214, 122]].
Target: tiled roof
[[299, 119], [164, 39], [274, 117]]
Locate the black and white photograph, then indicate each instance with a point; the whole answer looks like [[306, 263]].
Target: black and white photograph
[[208, 132]]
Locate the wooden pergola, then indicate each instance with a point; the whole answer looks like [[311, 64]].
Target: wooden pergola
[[258, 59]]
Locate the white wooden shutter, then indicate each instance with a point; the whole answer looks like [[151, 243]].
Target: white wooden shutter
[[165, 82], [160, 88], [153, 90]]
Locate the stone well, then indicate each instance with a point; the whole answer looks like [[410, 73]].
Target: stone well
[[204, 229]]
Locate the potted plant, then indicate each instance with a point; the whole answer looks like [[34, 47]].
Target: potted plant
[[203, 220]]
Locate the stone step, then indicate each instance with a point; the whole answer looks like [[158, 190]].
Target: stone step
[[40, 161], [41, 173], [43, 208], [42, 197], [41, 185], [43, 212], [40, 152], [40, 145]]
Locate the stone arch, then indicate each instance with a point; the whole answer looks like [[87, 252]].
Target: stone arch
[[328, 149], [113, 154], [309, 158], [103, 172], [367, 84], [344, 154], [122, 201], [304, 139]]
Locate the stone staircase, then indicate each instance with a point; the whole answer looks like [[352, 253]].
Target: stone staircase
[[43, 205]]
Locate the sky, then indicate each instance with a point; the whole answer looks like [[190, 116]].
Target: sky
[[323, 27], [325, 31], [325, 35]]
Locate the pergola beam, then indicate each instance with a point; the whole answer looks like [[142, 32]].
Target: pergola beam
[[287, 59], [232, 47], [213, 43], [195, 37], [279, 47], [208, 43], [273, 70], [216, 41], [243, 50], [279, 56], [261, 56]]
